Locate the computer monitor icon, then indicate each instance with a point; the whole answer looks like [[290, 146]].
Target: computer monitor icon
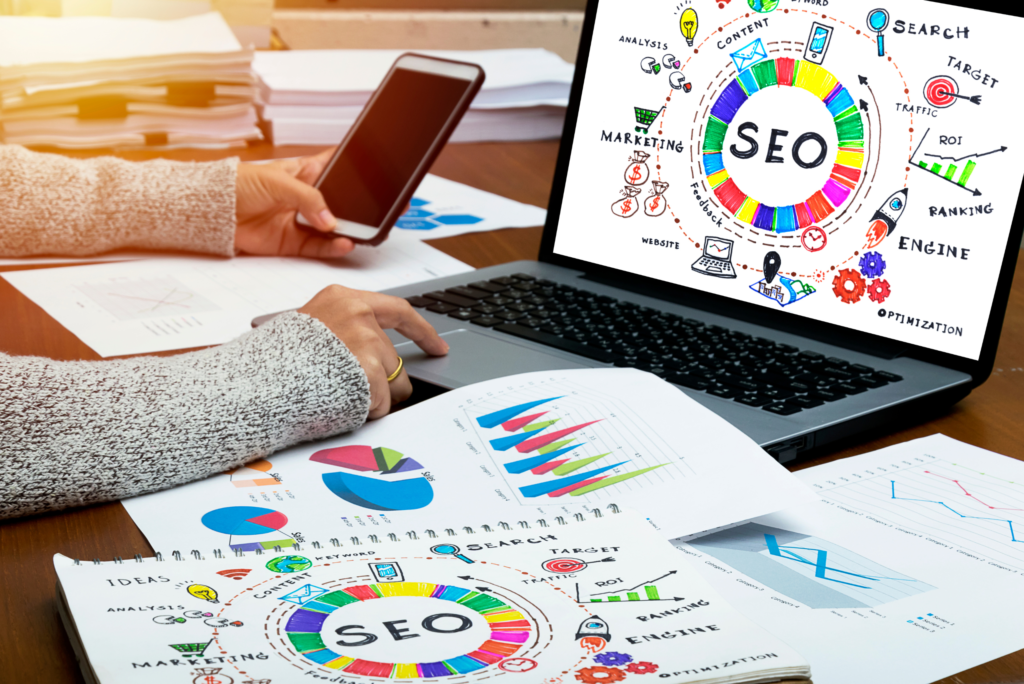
[[716, 260]]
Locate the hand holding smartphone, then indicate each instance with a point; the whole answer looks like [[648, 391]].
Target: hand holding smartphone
[[391, 146]]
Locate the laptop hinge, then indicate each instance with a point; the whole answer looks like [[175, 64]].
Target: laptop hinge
[[854, 340]]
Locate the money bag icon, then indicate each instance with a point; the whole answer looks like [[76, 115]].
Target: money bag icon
[[655, 204], [629, 205], [637, 172]]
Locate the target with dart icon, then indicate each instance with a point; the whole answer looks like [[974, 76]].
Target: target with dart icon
[[564, 566], [942, 92]]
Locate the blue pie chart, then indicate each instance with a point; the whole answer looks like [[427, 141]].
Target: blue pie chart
[[380, 495], [244, 520]]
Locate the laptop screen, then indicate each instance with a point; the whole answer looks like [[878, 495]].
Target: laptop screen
[[854, 166]]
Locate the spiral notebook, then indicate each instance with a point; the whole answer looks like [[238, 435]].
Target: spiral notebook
[[598, 598]]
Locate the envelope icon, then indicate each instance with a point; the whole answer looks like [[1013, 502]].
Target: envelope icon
[[304, 594], [749, 55]]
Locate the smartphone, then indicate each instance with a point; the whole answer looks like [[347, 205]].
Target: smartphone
[[818, 42], [391, 146]]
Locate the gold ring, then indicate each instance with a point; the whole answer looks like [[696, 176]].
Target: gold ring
[[398, 371]]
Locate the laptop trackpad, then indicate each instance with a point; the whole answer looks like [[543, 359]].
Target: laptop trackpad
[[474, 357]]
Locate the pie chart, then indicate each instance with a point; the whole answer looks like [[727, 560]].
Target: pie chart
[[245, 520], [376, 493], [250, 521]]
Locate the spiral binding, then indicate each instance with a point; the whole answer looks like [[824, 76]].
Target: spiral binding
[[355, 541]]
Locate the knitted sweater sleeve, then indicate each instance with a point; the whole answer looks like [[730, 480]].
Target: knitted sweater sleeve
[[80, 432], [50, 204]]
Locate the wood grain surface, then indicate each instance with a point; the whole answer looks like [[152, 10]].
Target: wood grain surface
[[992, 417]]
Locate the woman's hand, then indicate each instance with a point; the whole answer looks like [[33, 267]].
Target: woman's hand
[[358, 319], [268, 196]]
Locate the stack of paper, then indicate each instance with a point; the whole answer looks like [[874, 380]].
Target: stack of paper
[[312, 97], [88, 82]]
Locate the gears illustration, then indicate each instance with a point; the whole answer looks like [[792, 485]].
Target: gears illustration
[[643, 667], [872, 265], [848, 286], [613, 658], [600, 675], [878, 290]]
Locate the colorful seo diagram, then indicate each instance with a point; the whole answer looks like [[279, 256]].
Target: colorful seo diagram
[[798, 133]]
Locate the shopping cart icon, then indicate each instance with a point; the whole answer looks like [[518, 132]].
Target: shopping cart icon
[[645, 117]]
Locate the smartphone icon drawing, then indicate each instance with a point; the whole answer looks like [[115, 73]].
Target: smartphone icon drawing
[[818, 42], [386, 572]]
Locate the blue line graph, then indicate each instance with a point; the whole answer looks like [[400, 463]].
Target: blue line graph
[[808, 569], [821, 563], [1013, 536]]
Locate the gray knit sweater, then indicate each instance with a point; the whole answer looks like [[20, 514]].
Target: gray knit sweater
[[74, 433]]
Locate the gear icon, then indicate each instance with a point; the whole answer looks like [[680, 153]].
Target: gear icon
[[848, 286], [872, 265], [879, 291], [643, 667], [613, 658], [600, 675]]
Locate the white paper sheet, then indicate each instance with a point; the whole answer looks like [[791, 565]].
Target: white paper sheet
[[442, 208], [154, 305], [506, 450], [347, 77], [907, 571], [514, 600], [27, 42]]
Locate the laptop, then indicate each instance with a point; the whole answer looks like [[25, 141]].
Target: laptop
[[716, 260], [844, 280]]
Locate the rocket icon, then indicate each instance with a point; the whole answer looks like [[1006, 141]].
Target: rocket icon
[[594, 626], [883, 222]]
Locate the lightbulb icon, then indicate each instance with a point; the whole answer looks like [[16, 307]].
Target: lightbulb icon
[[688, 25], [201, 591]]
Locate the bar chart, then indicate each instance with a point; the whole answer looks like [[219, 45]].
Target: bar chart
[[548, 441]]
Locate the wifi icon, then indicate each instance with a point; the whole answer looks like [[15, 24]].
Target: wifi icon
[[235, 574]]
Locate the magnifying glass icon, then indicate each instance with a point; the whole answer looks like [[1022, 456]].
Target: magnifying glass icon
[[877, 21], [449, 550]]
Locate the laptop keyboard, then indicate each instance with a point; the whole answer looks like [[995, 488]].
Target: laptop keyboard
[[755, 371]]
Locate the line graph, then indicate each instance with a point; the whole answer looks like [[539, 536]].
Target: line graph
[[141, 298], [976, 155], [948, 503], [1013, 536], [814, 571]]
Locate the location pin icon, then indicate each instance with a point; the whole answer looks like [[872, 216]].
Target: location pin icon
[[772, 264]]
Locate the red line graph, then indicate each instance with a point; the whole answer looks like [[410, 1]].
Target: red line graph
[[957, 483]]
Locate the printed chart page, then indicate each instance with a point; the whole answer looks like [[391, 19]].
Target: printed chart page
[[604, 600], [156, 305], [443, 208], [907, 570], [511, 450], [851, 162]]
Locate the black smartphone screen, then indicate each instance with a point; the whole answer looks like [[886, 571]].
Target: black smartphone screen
[[387, 147]]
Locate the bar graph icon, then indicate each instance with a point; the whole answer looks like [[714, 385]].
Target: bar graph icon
[[950, 172], [546, 443], [646, 591], [958, 171]]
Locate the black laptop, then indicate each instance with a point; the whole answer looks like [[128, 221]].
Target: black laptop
[[801, 216]]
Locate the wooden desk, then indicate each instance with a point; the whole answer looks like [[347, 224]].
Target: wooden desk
[[30, 631]]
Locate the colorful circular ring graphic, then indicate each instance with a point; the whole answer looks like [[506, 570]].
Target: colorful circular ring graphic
[[940, 91], [846, 172], [509, 630]]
